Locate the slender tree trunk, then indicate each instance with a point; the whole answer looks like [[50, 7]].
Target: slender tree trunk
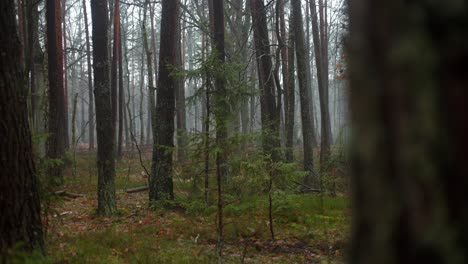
[[20, 201], [105, 131], [161, 183], [121, 95], [180, 99], [290, 95], [149, 66], [304, 88], [56, 139], [90, 81], [65, 76], [220, 112], [115, 63], [142, 97], [322, 76]]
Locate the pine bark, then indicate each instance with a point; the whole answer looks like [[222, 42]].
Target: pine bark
[[57, 133], [161, 183], [20, 219], [104, 120]]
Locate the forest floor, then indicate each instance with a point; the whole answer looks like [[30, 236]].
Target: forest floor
[[308, 228]]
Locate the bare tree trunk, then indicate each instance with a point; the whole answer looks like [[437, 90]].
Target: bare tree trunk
[[121, 90], [65, 76], [56, 139], [304, 88], [270, 119], [161, 183], [114, 67], [90, 81], [20, 202], [180, 98], [322, 76], [220, 113], [149, 66], [105, 127], [290, 95]]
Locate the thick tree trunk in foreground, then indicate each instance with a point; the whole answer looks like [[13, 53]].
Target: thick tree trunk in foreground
[[104, 121], [408, 97], [20, 219], [57, 133], [304, 92], [161, 184]]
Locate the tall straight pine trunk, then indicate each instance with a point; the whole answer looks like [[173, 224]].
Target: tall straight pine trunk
[[104, 120], [161, 182]]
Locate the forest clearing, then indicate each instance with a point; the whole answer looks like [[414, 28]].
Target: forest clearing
[[185, 232]]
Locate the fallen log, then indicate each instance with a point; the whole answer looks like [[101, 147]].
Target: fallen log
[[307, 189], [68, 194], [137, 189]]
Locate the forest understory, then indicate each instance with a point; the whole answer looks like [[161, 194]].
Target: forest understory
[[184, 230]]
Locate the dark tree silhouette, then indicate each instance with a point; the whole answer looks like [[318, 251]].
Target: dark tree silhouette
[[104, 120], [20, 219], [408, 100], [161, 183]]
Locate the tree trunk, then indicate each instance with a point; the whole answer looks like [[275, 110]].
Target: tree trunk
[[105, 127], [408, 101], [322, 77], [56, 139], [220, 112], [19, 201], [149, 66], [161, 183], [114, 69], [180, 99], [65, 77], [90, 81], [121, 92], [270, 119], [304, 89], [290, 95]]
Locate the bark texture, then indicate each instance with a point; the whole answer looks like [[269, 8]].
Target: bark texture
[[20, 219], [56, 139], [104, 120], [161, 183]]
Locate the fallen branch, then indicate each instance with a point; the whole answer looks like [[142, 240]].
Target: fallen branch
[[306, 189], [137, 189], [68, 194]]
